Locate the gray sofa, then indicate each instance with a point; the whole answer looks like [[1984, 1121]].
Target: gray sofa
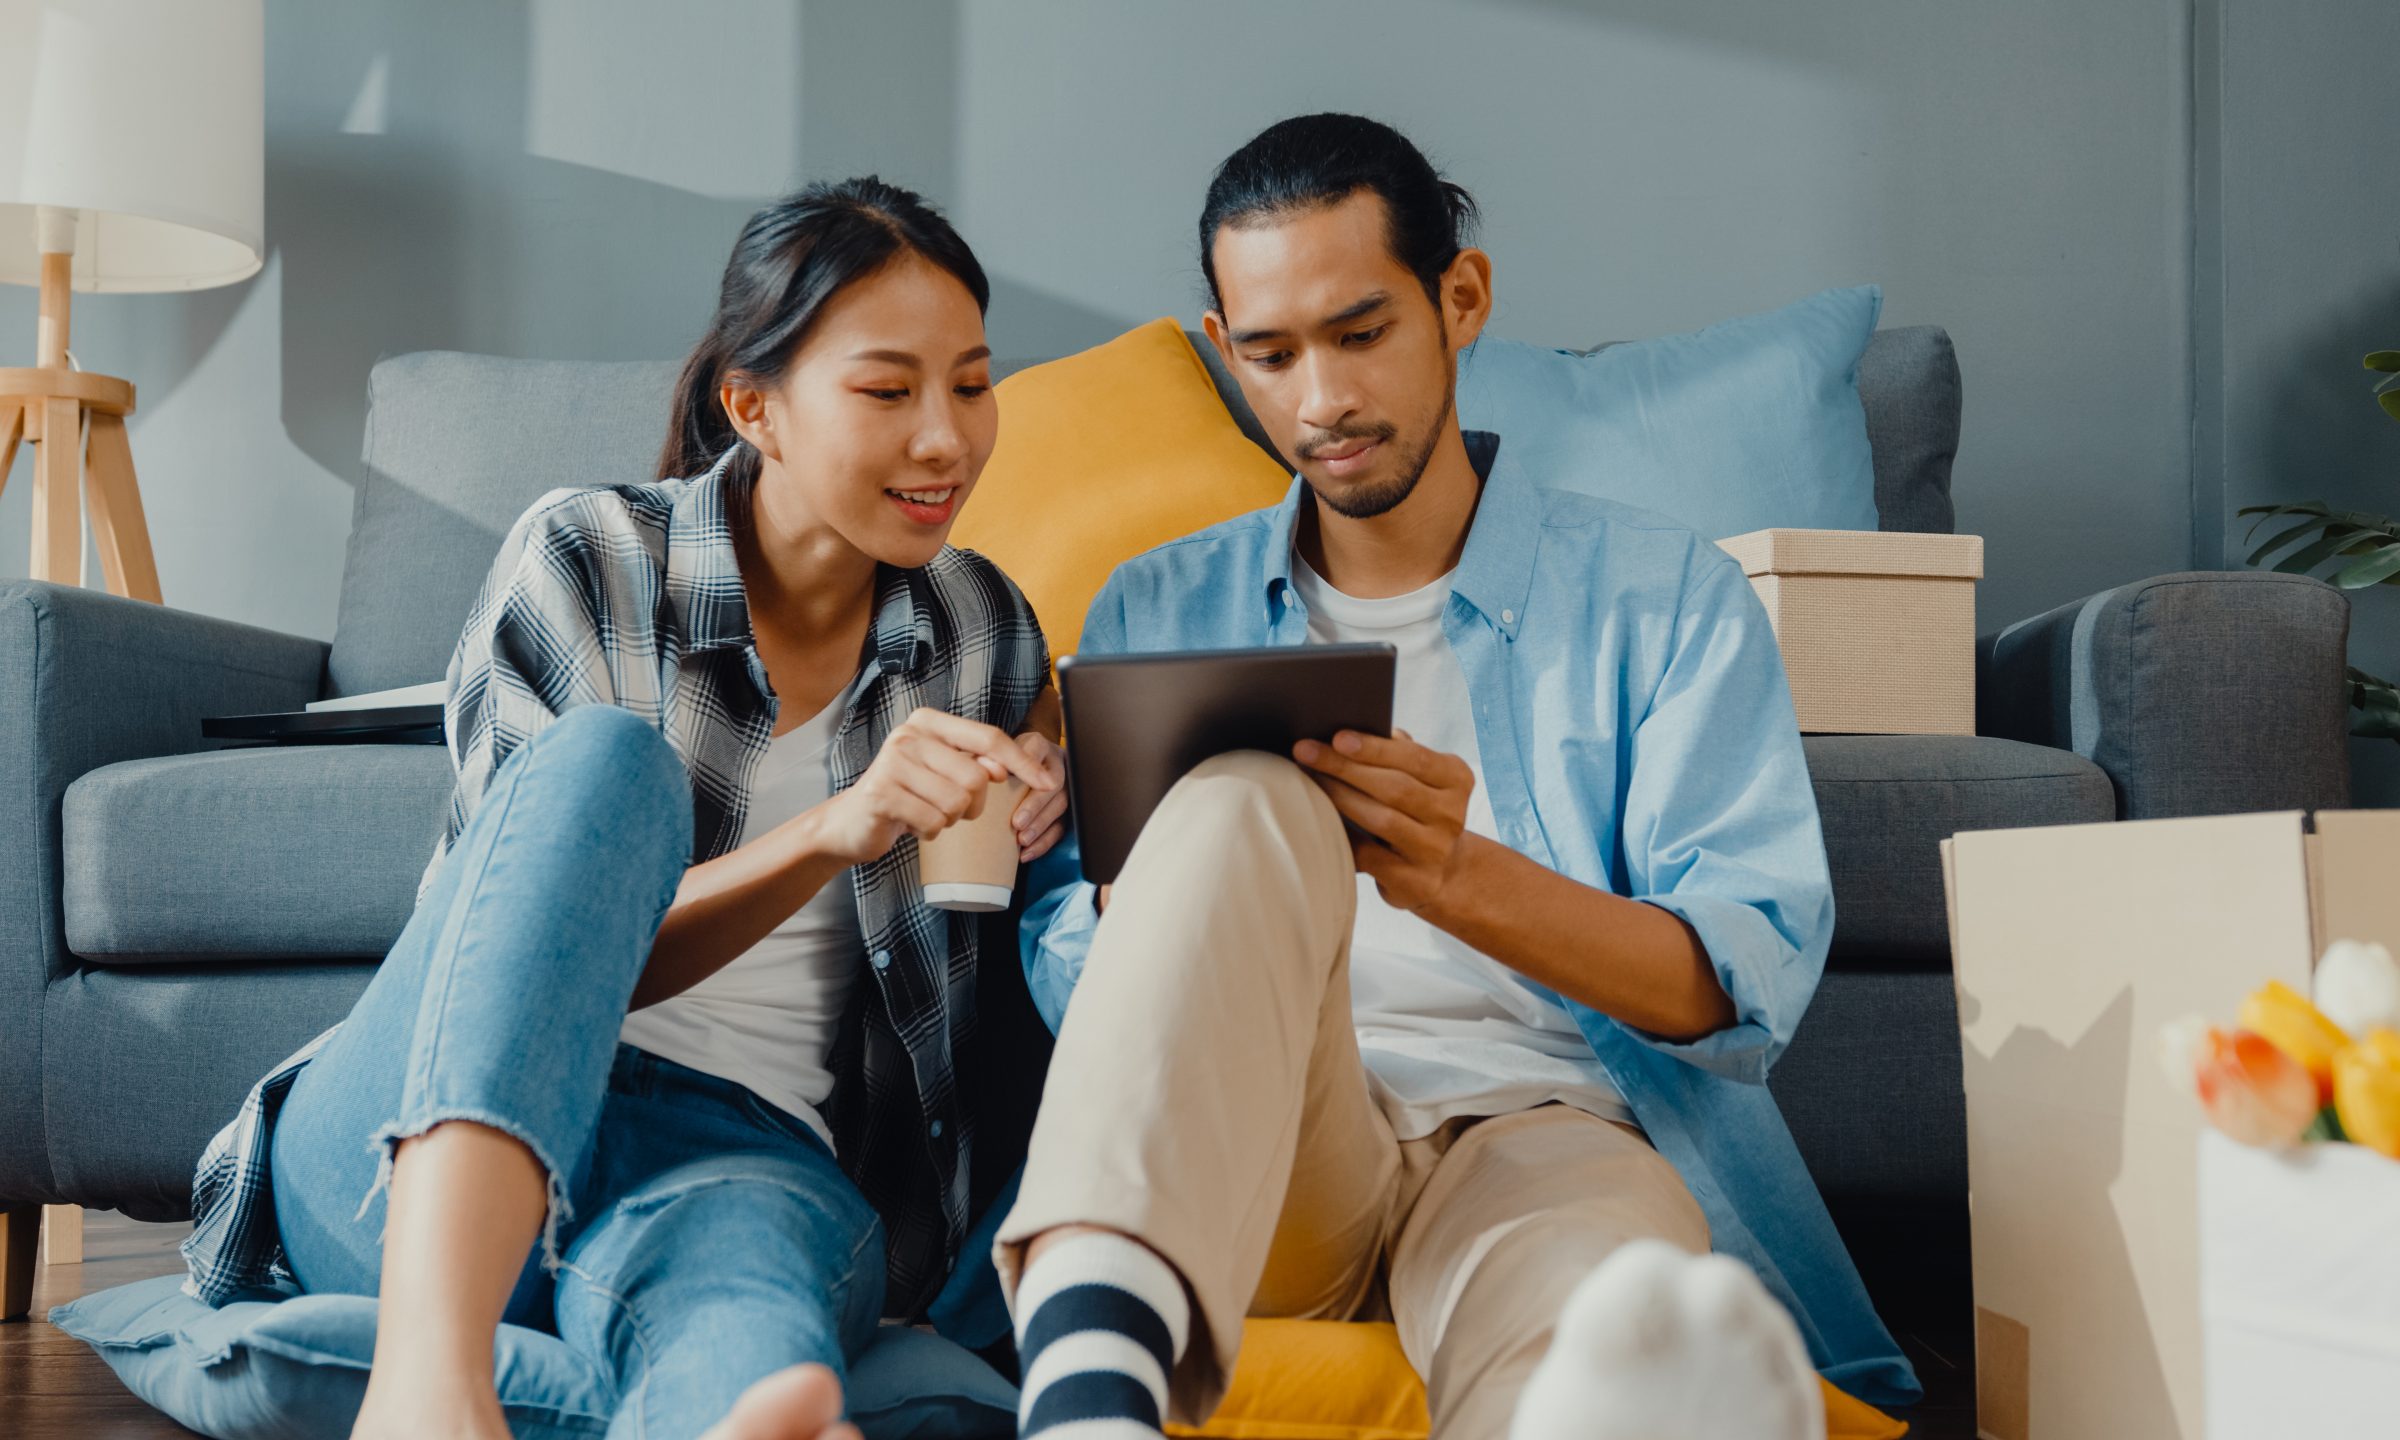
[[173, 919]]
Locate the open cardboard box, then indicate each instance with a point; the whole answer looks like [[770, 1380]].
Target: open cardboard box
[[2073, 946]]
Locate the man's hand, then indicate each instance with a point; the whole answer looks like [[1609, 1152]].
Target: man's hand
[[1410, 801]]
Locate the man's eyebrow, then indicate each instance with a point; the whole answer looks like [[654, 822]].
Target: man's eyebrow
[[1344, 316]]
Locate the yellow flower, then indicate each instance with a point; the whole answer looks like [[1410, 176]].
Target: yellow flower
[[2366, 1091], [2287, 1021]]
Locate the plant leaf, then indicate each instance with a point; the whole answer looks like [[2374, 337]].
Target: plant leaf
[[2288, 536], [2269, 512], [2377, 702], [2390, 401], [2339, 538], [2388, 360], [2374, 570]]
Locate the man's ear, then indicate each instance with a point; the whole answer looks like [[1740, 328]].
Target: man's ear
[[1467, 297], [1213, 324], [746, 406]]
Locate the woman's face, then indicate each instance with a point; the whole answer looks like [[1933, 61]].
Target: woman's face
[[880, 425]]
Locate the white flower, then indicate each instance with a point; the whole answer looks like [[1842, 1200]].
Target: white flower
[[2358, 987]]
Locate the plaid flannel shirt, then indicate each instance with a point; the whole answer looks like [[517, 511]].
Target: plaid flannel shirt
[[631, 595]]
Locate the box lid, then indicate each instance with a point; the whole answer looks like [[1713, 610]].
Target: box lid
[[1857, 552]]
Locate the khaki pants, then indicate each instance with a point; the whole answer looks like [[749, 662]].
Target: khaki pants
[[1207, 1098]]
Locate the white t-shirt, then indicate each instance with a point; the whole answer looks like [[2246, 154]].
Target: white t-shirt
[[767, 1019], [1444, 1029]]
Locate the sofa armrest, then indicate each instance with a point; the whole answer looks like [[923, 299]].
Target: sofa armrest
[[88, 679], [2200, 693]]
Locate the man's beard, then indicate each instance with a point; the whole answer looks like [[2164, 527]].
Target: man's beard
[[1368, 501]]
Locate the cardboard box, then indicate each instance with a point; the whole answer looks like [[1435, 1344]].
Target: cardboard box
[[1877, 629], [2299, 1290], [2073, 946]]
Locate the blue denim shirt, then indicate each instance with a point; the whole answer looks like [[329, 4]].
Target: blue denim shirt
[[1637, 736]]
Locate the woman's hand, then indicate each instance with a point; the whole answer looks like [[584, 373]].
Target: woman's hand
[[1041, 818], [931, 773]]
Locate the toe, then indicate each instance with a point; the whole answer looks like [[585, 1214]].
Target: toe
[[803, 1402]]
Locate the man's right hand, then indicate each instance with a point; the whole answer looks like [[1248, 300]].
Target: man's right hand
[[932, 772]]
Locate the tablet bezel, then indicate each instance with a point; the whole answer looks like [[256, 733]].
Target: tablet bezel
[[1143, 720]]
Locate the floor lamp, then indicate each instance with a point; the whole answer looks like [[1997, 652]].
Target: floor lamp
[[132, 157]]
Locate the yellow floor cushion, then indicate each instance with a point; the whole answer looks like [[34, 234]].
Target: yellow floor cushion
[[1325, 1380], [1103, 455]]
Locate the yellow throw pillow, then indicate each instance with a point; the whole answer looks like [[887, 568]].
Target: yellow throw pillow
[[1104, 455], [1327, 1380]]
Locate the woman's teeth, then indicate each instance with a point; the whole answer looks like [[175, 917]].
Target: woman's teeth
[[923, 497]]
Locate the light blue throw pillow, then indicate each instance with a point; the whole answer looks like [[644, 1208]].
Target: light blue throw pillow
[[1747, 425], [277, 1369]]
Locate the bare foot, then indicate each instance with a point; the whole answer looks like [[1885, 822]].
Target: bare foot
[[468, 1416], [1655, 1342], [803, 1402]]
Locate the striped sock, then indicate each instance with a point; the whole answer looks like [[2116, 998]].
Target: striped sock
[[1101, 1321]]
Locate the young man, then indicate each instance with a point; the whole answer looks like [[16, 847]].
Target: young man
[[1433, 1025]]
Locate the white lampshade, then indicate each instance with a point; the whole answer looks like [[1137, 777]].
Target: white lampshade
[[148, 119]]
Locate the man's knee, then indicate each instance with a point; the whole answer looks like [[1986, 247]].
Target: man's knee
[[1253, 792]]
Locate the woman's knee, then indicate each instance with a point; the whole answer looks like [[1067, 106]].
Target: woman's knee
[[619, 767]]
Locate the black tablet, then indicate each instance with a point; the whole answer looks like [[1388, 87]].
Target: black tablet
[[1136, 724], [383, 725]]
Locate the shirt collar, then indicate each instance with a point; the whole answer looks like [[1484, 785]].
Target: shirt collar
[[704, 574], [1495, 572]]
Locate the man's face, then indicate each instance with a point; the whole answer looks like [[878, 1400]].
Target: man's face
[[1335, 344]]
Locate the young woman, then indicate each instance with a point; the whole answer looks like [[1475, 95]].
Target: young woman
[[664, 1059]]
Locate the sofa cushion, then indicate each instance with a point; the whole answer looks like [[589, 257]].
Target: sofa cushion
[[298, 851], [267, 1368], [1064, 500], [1887, 803], [1902, 1136], [1908, 381], [457, 446], [1750, 424], [140, 1065]]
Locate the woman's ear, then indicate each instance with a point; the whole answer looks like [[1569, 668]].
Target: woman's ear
[[746, 407]]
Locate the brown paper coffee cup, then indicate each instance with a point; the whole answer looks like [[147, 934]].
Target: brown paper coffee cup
[[973, 864]]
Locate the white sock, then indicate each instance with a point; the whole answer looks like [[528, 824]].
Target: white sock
[[1101, 1321], [1656, 1342]]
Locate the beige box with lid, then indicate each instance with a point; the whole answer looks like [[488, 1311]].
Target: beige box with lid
[[1877, 629]]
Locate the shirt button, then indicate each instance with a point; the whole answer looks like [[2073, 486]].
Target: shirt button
[[937, 1129], [881, 959], [1508, 617]]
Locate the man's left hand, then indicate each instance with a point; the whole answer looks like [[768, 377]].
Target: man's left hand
[[1410, 802]]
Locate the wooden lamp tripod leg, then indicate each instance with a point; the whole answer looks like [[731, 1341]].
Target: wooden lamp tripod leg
[[57, 527], [118, 527]]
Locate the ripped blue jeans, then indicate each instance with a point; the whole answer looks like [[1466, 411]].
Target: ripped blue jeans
[[698, 1238]]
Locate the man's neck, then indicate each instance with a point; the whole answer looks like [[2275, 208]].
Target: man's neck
[[1407, 547]]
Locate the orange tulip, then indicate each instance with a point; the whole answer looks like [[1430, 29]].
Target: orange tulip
[[2366, 1091], [2252, 1090], [2284, 1018]]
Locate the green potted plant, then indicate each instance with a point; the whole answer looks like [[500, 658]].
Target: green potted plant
[[2356, 550]]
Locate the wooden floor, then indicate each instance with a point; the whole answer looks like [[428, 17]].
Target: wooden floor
[[53, 1388]]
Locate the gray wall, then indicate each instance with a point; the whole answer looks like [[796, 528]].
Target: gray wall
[[2300, 277], [563, 177]]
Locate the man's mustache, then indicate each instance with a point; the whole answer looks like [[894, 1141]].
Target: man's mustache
[[1341, 439]]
